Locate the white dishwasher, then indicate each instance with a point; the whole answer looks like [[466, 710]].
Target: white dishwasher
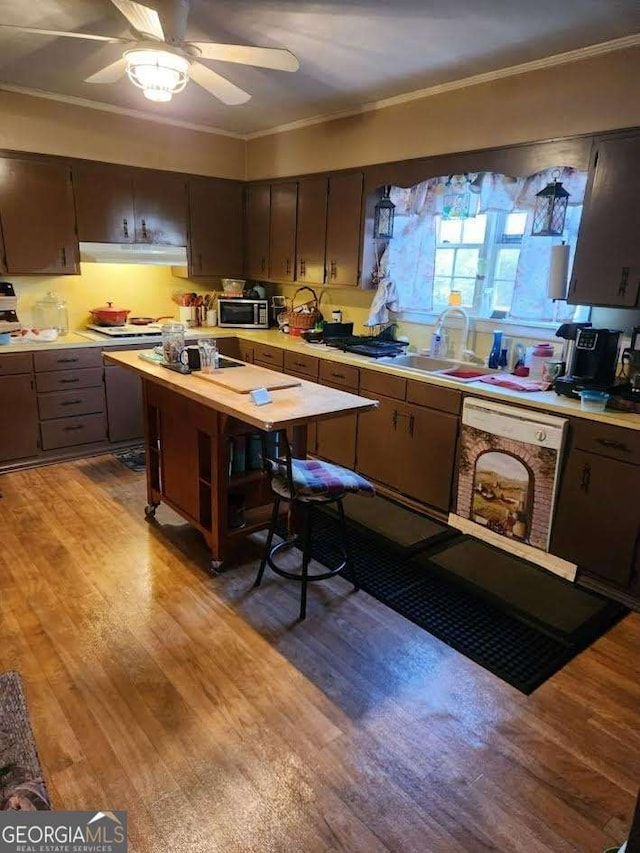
[[508, 468]]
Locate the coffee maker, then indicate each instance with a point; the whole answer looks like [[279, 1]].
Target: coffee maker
[[591, 360]]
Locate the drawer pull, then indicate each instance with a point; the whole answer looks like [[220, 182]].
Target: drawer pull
[[299, 364], [72, 428], [613, 445], [71, 403], [68, 381], [68, 360], [338, 375]]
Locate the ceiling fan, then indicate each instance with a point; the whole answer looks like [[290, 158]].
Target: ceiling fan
[[161, 63]]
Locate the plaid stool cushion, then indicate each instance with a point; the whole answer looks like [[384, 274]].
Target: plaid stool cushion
[[315, 480]]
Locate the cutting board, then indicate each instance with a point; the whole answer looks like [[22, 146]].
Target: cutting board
[[243, 380]]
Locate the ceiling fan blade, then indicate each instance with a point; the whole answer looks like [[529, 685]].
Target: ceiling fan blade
[[142, 18], [264, 57], [61, 33], [217, 86], [110, 74]]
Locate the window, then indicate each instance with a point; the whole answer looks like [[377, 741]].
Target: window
[[478, 257], [483, 247]]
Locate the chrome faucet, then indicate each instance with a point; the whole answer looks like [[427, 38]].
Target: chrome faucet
[[465, 353]]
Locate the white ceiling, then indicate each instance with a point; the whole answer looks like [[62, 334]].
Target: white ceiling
[[351, 52]]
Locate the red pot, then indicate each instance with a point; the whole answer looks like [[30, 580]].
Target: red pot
[[107, 315]]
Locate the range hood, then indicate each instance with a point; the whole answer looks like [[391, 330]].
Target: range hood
[[133, 253]]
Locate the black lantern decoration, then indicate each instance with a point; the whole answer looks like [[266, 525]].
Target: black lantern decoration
[[551, 210], [383, 217]]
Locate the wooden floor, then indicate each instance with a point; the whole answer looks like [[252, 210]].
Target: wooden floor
[[201, 707]]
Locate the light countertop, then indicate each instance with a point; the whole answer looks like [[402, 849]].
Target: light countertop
[[548, 401]]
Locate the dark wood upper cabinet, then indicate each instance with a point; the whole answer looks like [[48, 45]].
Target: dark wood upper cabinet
[[282, 242], [343, 229], [104, 203], [598, 494], [312, 229], [215, 227], [606, 270], [116, 204], [38, 218], [160, 207], [257, 218]]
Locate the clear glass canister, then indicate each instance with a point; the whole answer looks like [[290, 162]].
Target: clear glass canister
[[172, 342], [50, 312]]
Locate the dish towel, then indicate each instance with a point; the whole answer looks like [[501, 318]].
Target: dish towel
[[386, 298], [515, 383]]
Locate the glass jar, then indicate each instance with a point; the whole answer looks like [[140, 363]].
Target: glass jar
[[172, 342], [50, 312]]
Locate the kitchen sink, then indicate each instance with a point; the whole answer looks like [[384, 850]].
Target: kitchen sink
[[459, 371], [425, 363]]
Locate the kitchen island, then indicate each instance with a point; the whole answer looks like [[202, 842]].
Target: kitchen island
[[190, 426]]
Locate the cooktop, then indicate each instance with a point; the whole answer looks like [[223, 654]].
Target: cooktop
[[126, 331]]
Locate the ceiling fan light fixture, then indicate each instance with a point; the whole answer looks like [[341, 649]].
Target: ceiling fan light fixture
[[159, 73]]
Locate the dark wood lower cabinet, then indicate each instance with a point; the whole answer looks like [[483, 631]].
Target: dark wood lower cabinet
[[597, 523], [124, 404], [409, 448], [19, 433]]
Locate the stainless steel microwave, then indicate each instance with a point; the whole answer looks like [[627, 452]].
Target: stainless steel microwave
[[243, 313]]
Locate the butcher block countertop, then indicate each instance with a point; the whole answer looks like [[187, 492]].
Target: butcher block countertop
[[304, 403]]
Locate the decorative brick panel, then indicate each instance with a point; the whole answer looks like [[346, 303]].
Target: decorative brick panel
[[540, 463]]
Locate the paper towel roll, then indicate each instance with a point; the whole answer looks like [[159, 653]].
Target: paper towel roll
[[558, 272]]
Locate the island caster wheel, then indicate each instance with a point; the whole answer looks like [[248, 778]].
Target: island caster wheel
[[150, 511], [215, 568]]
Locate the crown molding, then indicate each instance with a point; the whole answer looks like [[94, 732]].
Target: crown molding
[[111, 108], [463, 83]]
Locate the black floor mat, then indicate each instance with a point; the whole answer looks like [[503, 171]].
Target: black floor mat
[[133, 459], [520, 650]]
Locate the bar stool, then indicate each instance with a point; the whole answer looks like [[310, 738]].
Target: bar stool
[[307, 484]]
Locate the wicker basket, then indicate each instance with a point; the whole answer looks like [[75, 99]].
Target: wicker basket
[[299, 321]]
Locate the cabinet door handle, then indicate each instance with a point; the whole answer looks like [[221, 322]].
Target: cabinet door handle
[[624, 281], [200, 261], [71, 403], [68, 381], [613, 445], [287, 266], [263, 264], [63, 256], [125, 228], [303, 268], [394, 419], [412, 420], [333, 269], [72, 428], [586, 478], [143, 223]]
